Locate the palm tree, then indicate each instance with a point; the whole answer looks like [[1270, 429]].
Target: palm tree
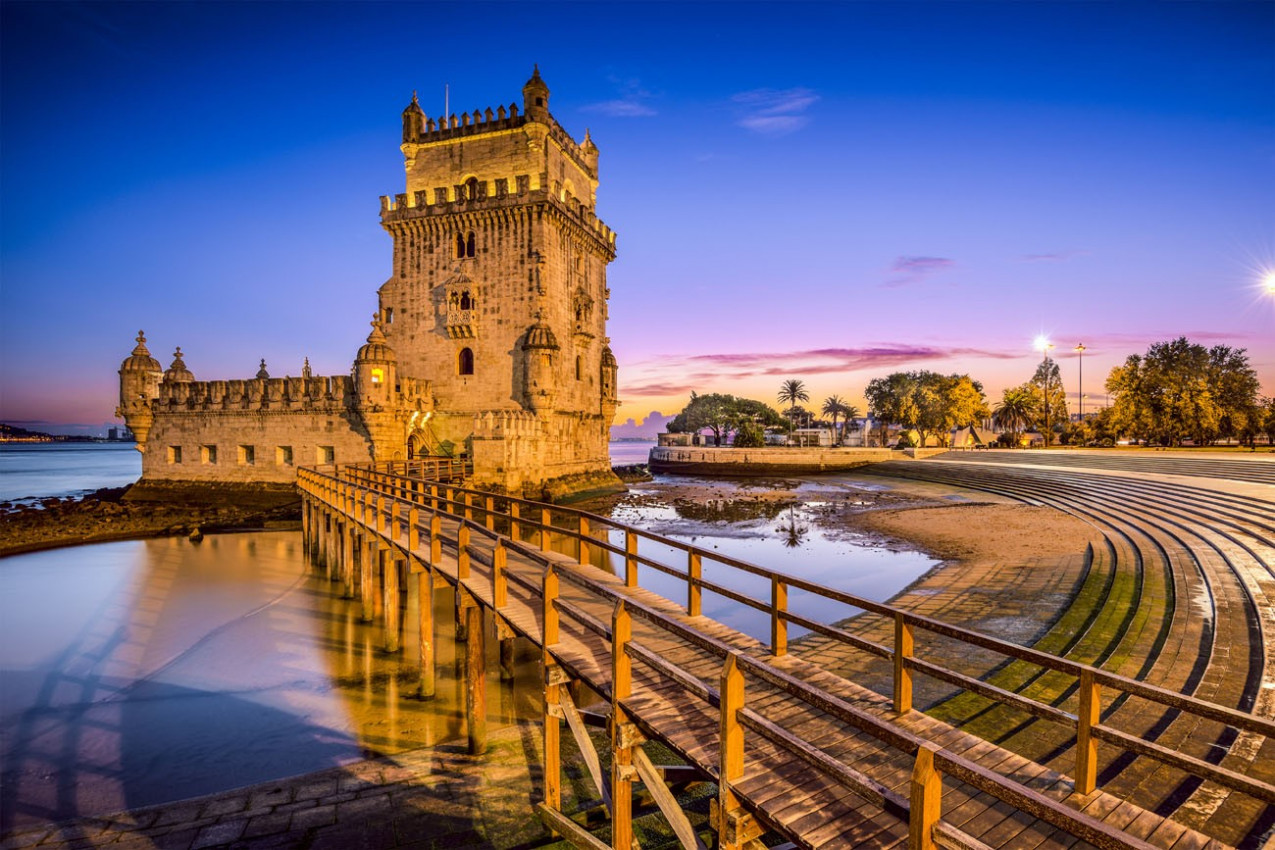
[[792, 391], [851, 413], [1016, 411], [834, 406]]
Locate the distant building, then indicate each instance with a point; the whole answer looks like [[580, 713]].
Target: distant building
[[488, 340]]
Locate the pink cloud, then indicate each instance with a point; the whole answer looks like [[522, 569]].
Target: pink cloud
[[909, 270]]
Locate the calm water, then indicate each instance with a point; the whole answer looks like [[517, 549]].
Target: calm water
[[30, 471], [140, 672], [787, 539]]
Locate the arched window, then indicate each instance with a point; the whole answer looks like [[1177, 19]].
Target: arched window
[[464, 245], [466, 303], [579, 367], [465, 362], [471, 188]]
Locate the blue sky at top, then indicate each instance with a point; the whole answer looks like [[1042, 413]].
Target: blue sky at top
[[825, 191]]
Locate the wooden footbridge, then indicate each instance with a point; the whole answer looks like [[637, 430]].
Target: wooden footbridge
[[799, 754]]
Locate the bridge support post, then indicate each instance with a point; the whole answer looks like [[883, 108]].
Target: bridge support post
[[623, 732], [390, 584], [347, 559], [366, 567], [425, 632], [553, 679], [475, 678]]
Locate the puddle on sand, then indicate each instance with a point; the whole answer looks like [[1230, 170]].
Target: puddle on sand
[[780, 534], [141, 672]]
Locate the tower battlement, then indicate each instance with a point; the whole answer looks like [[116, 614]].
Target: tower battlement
[[318, 393], [494, 194]]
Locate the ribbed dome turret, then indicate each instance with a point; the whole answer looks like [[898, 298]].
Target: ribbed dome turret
[[140, 360], [535, 95], [414, 108], [587, 145], [540, 336], [178, 373], [376, 349], [262, 372], [608, 359]]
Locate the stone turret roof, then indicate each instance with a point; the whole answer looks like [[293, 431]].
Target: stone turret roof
[[262, 372], [540, 336], [178, 373], [376, 348], [414, 106], [140, 360]]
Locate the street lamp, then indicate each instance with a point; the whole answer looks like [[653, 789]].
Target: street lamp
[[1080, 383], [1044, 345]]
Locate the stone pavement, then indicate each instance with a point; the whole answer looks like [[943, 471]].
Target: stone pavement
[[427, 799]]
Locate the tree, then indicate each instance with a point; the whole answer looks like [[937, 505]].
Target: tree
[[928, 402], [792, 391], [749, 435], [1016, 411], [1181, 390], [722, 414], [834, 406], [1053, 404]]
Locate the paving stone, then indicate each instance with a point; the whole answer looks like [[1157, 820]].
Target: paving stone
[[219, 833], [318, 816], [270, 824]]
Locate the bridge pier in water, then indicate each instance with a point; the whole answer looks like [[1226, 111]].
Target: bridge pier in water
[[384, 523]]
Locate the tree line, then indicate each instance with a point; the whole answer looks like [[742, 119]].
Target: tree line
[[1178, 391]]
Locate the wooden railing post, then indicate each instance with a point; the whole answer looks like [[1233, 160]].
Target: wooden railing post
[[694, 572], [546, 520], [433, 498], [462, 551], [413, 529], [550, 620], [396, 520], [902, 675], [582, 547], [778, 625], [926, 800], [489, 511], [622, 731], [734, 827], [499, 582], [435, 540], [1087, 717], [630, 558], [514, 530]]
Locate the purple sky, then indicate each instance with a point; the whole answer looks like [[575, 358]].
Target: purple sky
[[827, 192]]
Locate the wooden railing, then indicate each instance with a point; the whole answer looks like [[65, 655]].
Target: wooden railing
[[391, 500]]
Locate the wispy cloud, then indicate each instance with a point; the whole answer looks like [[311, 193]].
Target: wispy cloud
[[632, 102], [909, 270], [679, 374], [1055, 257], [774, 111]]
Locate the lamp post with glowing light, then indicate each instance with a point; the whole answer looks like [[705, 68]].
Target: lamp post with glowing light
[[1044, 345], [1080, 382]]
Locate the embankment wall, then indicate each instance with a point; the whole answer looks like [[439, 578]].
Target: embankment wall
[[771, 460]]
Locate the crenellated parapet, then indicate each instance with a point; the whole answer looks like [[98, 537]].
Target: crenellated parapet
[[333, 394], [507, 424], [420, 131], [494, 196]]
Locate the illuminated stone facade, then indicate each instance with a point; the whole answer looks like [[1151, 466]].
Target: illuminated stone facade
[[489, 337]]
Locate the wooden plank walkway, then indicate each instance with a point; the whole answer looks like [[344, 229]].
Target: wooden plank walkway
[[807, 754]]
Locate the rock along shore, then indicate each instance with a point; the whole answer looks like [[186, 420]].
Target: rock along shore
[[146, 510]]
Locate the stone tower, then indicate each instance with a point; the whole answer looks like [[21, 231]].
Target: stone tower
[[140, 375], [499, 292]]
